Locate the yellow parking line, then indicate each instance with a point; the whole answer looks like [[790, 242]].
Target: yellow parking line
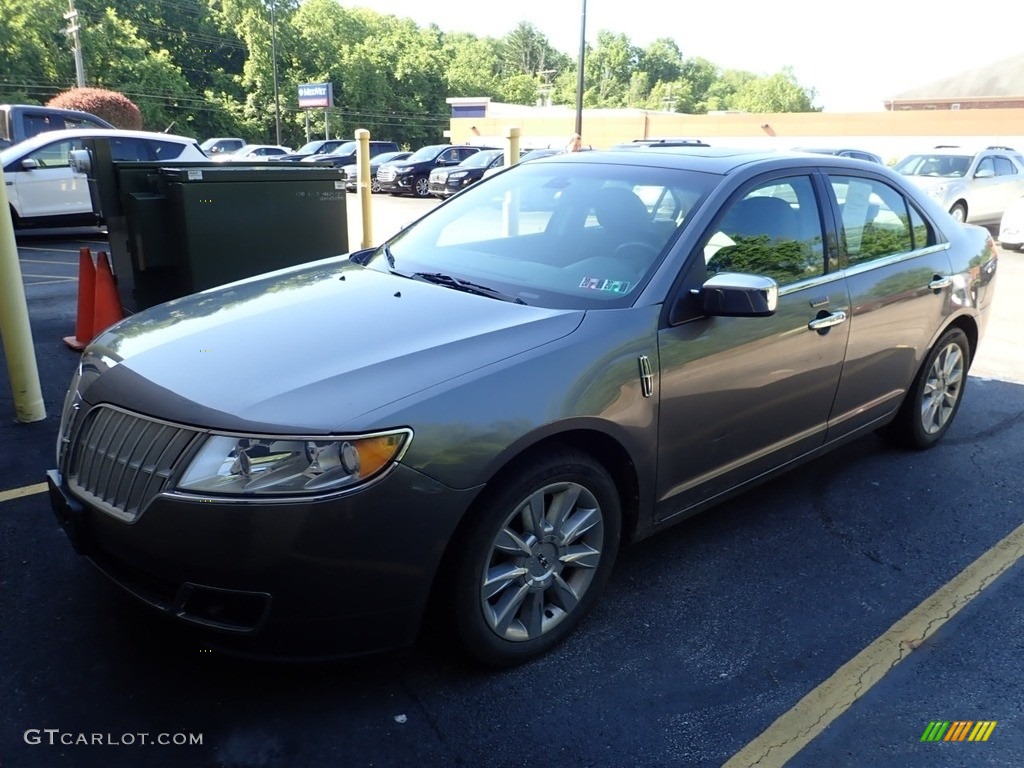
[[27, 490], [812, 714]]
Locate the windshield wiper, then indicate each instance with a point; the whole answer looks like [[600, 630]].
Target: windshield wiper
[[440, 278]]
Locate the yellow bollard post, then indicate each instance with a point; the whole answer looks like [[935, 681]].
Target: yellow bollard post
[[365, 192], [15, 330], [512, 146]]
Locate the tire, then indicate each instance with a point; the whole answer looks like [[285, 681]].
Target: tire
[[958, 212], [524, 580], [934, 398], [421, 186], [374, 186]]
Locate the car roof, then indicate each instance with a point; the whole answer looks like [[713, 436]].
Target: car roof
[[48, 137], [719, 160]]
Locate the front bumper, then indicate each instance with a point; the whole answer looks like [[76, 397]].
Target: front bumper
[[338, 577]]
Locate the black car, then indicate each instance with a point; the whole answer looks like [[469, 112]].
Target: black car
[[345, 154], [352, 171], [445, 182], [412, 175]]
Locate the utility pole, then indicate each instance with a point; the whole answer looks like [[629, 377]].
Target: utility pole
[[72, 32], [579, 72], [273, 54]]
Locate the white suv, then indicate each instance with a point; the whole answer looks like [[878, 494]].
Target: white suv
[[44, 189], [973, 186]]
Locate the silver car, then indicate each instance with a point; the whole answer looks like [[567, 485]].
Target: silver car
[[973, 186], [461, 427]]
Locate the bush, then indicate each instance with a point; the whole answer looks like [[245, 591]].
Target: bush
[[116, 108]]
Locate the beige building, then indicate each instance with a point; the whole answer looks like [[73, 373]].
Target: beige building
[[909, 125]]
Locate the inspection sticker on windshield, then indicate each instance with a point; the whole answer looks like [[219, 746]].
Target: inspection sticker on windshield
[[600, 284]]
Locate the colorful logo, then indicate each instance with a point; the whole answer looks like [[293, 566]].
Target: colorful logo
[[958, 730]]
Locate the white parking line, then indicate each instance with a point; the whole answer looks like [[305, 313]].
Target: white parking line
[[47, 250], [46, 261], [49, 282], [25, 490]]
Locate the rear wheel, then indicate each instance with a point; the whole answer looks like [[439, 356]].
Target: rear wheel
[[959, 212], [935, 396], [536, 559]]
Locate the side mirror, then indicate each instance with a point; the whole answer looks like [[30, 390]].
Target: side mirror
[[730, 294], [81, 161], [28, 164], [985, 173]]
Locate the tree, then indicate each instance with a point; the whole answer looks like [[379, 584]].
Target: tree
[[777, 93], [116, 108]]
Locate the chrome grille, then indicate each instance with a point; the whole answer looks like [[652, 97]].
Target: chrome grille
[[120, 461], [386, 173]]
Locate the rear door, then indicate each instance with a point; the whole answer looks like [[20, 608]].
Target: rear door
[[899, 277]]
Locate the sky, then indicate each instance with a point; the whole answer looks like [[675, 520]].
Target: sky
[[853, 55]]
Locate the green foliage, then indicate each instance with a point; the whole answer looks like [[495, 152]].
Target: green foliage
[[206, 67], [116, 108]]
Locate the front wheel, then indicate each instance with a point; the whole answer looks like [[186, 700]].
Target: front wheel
[[536, 558], [421, 186], [935, 396]]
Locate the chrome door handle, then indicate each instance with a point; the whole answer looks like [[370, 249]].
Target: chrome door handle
[[827, 321], [939, 283]]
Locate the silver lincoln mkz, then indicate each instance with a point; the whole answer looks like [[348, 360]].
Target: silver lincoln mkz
[[466, 423]]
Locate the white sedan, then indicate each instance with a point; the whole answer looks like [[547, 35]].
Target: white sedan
[[251, 152], [45, 190], [1011, 226]]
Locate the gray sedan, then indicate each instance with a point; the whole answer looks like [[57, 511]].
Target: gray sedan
[[460, 429]]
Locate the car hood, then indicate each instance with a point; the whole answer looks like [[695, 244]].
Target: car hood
[[309, 349], [931, 182]]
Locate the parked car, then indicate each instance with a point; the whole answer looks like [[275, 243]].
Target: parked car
[[352, 171], [253, 152], [345, 154], [856, 154], [222, 145], [412, 175], [659, 143], [1011, 226], [576, 354], [45, 190], [445, 182], [23, 121], [314, 149], [527, 156], [973, 186]]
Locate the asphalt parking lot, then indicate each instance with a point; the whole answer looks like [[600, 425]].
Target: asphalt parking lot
[[835, 596]]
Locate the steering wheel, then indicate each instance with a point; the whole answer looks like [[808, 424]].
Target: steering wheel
[[637, 254]]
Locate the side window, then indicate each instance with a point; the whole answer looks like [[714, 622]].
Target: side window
[[164, 150], [985, 164], [1005, 167], [56, 155], [876, 220], [130, 149], [774, 230]]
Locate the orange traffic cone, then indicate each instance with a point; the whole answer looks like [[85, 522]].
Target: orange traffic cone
[[86, 301], [108, 306]]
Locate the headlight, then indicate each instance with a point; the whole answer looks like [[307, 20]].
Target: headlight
[[458, 174], [289, 466]]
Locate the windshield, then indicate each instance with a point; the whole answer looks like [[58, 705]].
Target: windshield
[[348, 148], [481, 159], [310, 148], [554, 234], [952, 166], [427, 153]]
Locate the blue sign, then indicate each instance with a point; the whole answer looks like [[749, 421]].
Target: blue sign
[[316, 95]]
